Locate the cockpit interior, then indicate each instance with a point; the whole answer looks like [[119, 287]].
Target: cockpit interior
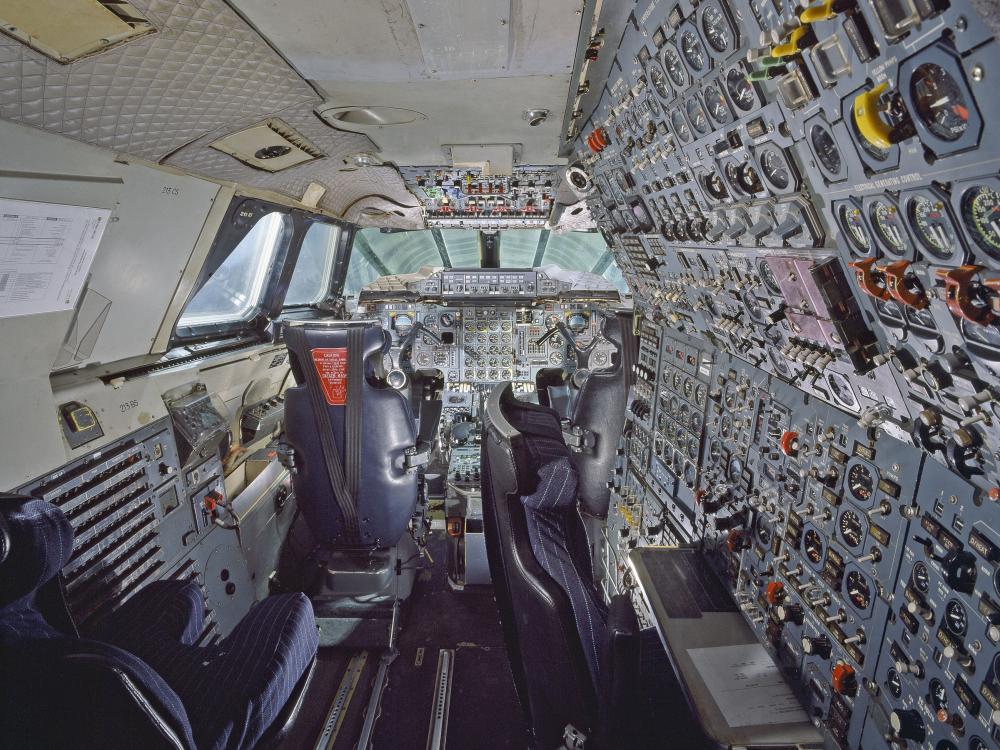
[[494, 374]]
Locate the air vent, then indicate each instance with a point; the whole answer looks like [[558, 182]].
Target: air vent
[[272, 146], [67, 30]]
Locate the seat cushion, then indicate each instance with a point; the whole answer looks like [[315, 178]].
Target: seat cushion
[[234, 690], [162, 611], [41, 541]]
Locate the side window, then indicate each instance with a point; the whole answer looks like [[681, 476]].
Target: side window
[[233, 292], [311, 277]]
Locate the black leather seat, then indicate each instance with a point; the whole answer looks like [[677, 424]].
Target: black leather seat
[[144, 684], [574, 659], [354, 437]]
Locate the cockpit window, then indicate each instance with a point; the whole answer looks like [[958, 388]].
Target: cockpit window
[[234, 290], [376, 253], [311, 278]]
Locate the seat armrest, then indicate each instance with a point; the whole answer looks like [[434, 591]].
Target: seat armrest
[[619, 688]]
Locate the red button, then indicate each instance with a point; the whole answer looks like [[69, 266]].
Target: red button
[[775, 592], [789, 442]]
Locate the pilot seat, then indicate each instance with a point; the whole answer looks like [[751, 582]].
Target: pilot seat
[[575, 660], [353, 447], [142, 683]]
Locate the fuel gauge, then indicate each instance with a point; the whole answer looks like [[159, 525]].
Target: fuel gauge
[[674, 67], [928, 216]]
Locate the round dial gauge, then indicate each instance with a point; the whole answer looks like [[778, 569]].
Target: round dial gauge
[[447, 320], [774, 168], [715, 451], [714, 186], [748, 179], [826, 149], [812, 546], [859, 591], [860, 482], [675, 68], [767, 276], [981, 216], [696, 113], [920, 578], [716, 104], [688, 388], [940, 101], [680, 126], [740, 89], [699, 394], [853, 225], [987, 337], [692, 50], [690, 474], [893, 683], [677, 380], [978, 743], [654, 111], [938, 695], [933, 227], [735, 469], [946, 745], [716, 28], [888, 226], [404, 324], [659, 81], [955, 618], [851, 528]]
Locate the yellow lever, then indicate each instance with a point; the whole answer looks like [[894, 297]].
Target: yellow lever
[[818, 12], [790, 46], [866, 116]]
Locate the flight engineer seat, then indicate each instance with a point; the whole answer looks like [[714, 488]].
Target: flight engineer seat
[[575, 660], [142, 683], [354, 452]]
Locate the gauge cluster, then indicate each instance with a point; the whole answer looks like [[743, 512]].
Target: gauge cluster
[[808, 196]]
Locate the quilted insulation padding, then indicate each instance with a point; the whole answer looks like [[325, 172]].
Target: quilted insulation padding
[[164, 97]]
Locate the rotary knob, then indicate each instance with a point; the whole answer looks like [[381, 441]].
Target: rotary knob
[[908, 724], [817, 646]]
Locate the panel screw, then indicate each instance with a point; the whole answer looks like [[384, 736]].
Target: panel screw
[[978, 73]]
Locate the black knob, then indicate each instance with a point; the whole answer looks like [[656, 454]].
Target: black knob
[[790, 613], [960, 571], [818, 646], [906, 723]]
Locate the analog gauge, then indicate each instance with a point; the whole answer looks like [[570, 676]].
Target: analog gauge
[[981, 216], [888, 225], [986, 339], [955, 618], [447, 320], [763, 529], [996, 581], [690, 474], [688, 388], [841, 390], [577, 323], [735, 469], [699, 394], [767, 276], [675, 69], [978, 743], [692, 50], [725, 427], [674, 407], [938, 695], [696, 422], [740, 90], [859, 591], [946, 745], [812, 546], [404, 324], [693, 449], [715, 451], [715, 102], [893, 683], [654, 111], [681, 128], [939, 101], [934, 229], [678, 379], [716, 28], [696, 113], [826, 149], [853, 224], [659, 81], [774, 168], [714, 186], [920, 578], [851, 529], [860, 482]]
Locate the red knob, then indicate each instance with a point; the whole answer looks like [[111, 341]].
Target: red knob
[[789, 443], [843, 679], [775, 592]]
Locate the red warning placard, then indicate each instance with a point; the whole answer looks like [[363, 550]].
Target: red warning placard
[[331, 366]]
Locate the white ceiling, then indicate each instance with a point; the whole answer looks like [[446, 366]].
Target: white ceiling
[[472, 66]]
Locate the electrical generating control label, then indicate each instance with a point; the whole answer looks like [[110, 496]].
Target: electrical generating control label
[[331, 366]]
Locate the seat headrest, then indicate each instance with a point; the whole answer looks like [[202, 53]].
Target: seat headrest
[[40, 541]]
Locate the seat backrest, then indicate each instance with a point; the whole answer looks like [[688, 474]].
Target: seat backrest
[[552, 615], [61, 690], [341, 396], [599, 407]]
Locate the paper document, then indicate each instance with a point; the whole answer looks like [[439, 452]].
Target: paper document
[[45, 254], [747, 685]]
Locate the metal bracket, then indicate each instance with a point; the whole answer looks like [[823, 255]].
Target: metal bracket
[[578, 439]]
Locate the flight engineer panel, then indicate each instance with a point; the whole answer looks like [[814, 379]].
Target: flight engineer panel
[[804, 201]]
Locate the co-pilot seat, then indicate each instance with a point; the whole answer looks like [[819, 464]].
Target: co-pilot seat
[[353, 445]]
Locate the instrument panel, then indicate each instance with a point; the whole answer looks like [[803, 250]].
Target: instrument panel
[[804, 198]]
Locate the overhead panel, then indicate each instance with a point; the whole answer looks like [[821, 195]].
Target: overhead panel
[[462, 39]]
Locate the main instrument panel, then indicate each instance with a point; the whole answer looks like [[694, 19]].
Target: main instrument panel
[[803, 201]]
